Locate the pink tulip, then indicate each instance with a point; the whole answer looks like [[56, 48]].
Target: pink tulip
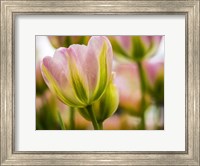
[[112, 123], [128, 83], [154, 70], [79, 74], [155, 76], [136, 48]]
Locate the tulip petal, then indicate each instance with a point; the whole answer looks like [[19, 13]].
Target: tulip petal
[[121, 49], [87, 64], [94, 64], [102, 74], [55, 74], [118, 48], [154, 70], [151, 43], [102, 49], [108, 103], [75, 72], [124, 41], [53, 85]]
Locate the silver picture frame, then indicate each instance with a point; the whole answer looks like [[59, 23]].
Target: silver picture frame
[[11, 8]]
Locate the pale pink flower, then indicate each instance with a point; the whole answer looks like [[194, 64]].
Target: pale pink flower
[[135, 48], [155, 76], [128, 83], [79, 74]]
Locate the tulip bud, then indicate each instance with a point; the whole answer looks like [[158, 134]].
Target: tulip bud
[[105, 106], [135, 48], [79, 75], [66, 41]]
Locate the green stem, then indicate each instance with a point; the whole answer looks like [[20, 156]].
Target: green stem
[[62, 126], [142, 123], [100, 125], [143, 90], [142, 77], [92, 117], [71, 120]]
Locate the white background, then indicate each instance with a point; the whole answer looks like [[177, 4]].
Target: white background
[[170, 139]]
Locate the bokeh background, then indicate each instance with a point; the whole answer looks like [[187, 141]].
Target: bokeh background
[[128, 115]]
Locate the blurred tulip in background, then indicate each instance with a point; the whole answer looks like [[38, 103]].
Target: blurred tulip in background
[[155, 76], [136, 48], [128, 83], [66, 41]]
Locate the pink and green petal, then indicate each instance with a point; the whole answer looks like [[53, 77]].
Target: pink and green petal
[[104, 67], [55, 74], [79, 74], [76, 76], [56, 89]]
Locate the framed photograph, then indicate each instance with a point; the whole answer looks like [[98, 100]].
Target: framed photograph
[[100, 82], [130, 84]]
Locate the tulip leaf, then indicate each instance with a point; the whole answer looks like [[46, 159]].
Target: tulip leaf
[[152, 49]]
